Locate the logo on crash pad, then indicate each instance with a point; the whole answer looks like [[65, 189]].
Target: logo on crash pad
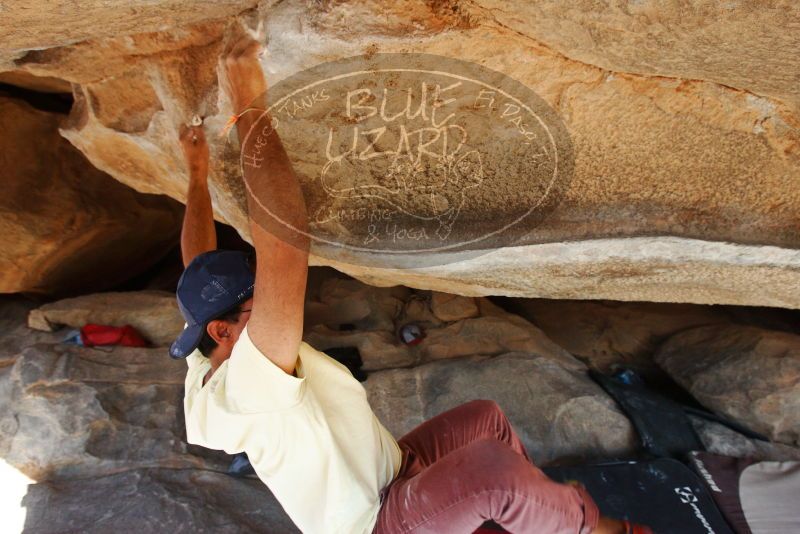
[[413, 159]]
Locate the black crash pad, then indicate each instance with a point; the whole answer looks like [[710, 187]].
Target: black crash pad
[[663, 494]]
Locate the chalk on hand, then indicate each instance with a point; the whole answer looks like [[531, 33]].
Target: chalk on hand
[[197, 120], [258, 34]]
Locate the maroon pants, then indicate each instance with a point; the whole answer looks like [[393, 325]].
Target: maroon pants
[[466, 466]]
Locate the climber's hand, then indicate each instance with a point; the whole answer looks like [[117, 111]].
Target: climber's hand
[[195, 147], [245, 79]]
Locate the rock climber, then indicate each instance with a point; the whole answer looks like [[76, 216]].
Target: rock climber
[[253, 385]]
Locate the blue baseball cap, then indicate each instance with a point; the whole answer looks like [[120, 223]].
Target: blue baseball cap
[[213, 284]]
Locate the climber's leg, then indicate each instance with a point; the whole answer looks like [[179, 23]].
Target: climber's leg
[[453, 429], [485, 479]]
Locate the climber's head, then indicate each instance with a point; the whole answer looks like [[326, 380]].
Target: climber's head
[[223, 332], [215, 295]]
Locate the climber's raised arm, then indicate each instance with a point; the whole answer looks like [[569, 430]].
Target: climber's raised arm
[[274, 194], [197, 234]]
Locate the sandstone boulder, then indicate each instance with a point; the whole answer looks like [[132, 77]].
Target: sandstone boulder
[[154, 314], [155, 500], [749, 374], [720, 439], [354, 314], [74, 411], [604, 333], [106, 426], [668, 39], [683, 137], [77, 411], [558, 412], [101, 431], [449, 307], [350, 302], [14, 333], [70, 227], [661, 39]]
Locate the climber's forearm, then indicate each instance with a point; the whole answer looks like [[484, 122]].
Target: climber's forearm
[[274, 194], [198, 234]]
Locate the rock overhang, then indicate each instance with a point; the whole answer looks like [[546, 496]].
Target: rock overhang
[[685, 171]]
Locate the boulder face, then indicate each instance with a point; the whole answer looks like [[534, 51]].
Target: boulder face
[[92, 412], [604, 334], [155, 500], [472, 349], [683, 131], [154, 314], [88, 411], [347, 313], [749, 374], [69, 227], [105, 426], [100, 424], [576, 419]]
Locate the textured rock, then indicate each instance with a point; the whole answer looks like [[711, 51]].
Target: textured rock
[[644, 269], [155, 500], [558, 412], [733, 44], [364, 307], [15, 336], [720, 439], [682, 126], [43, 84], [706, 40], [102, 435], [101, 432], [374, 315], [749, 374], [154, 314], [604, 333], [73, 411], [74, 228], [452, 307], [106, 427]]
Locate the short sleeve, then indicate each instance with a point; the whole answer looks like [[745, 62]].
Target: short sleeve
[[198, 366], [255, 384]]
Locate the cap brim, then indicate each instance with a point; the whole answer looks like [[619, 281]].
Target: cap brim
[[187, 341]]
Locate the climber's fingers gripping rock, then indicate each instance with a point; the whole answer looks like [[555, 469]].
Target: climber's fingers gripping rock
[[245, 78], [193, 142]]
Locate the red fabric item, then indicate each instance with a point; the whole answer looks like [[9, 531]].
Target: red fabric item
[[93, 335]]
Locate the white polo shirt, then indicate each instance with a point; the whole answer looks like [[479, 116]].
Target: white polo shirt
[[312, 439]]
